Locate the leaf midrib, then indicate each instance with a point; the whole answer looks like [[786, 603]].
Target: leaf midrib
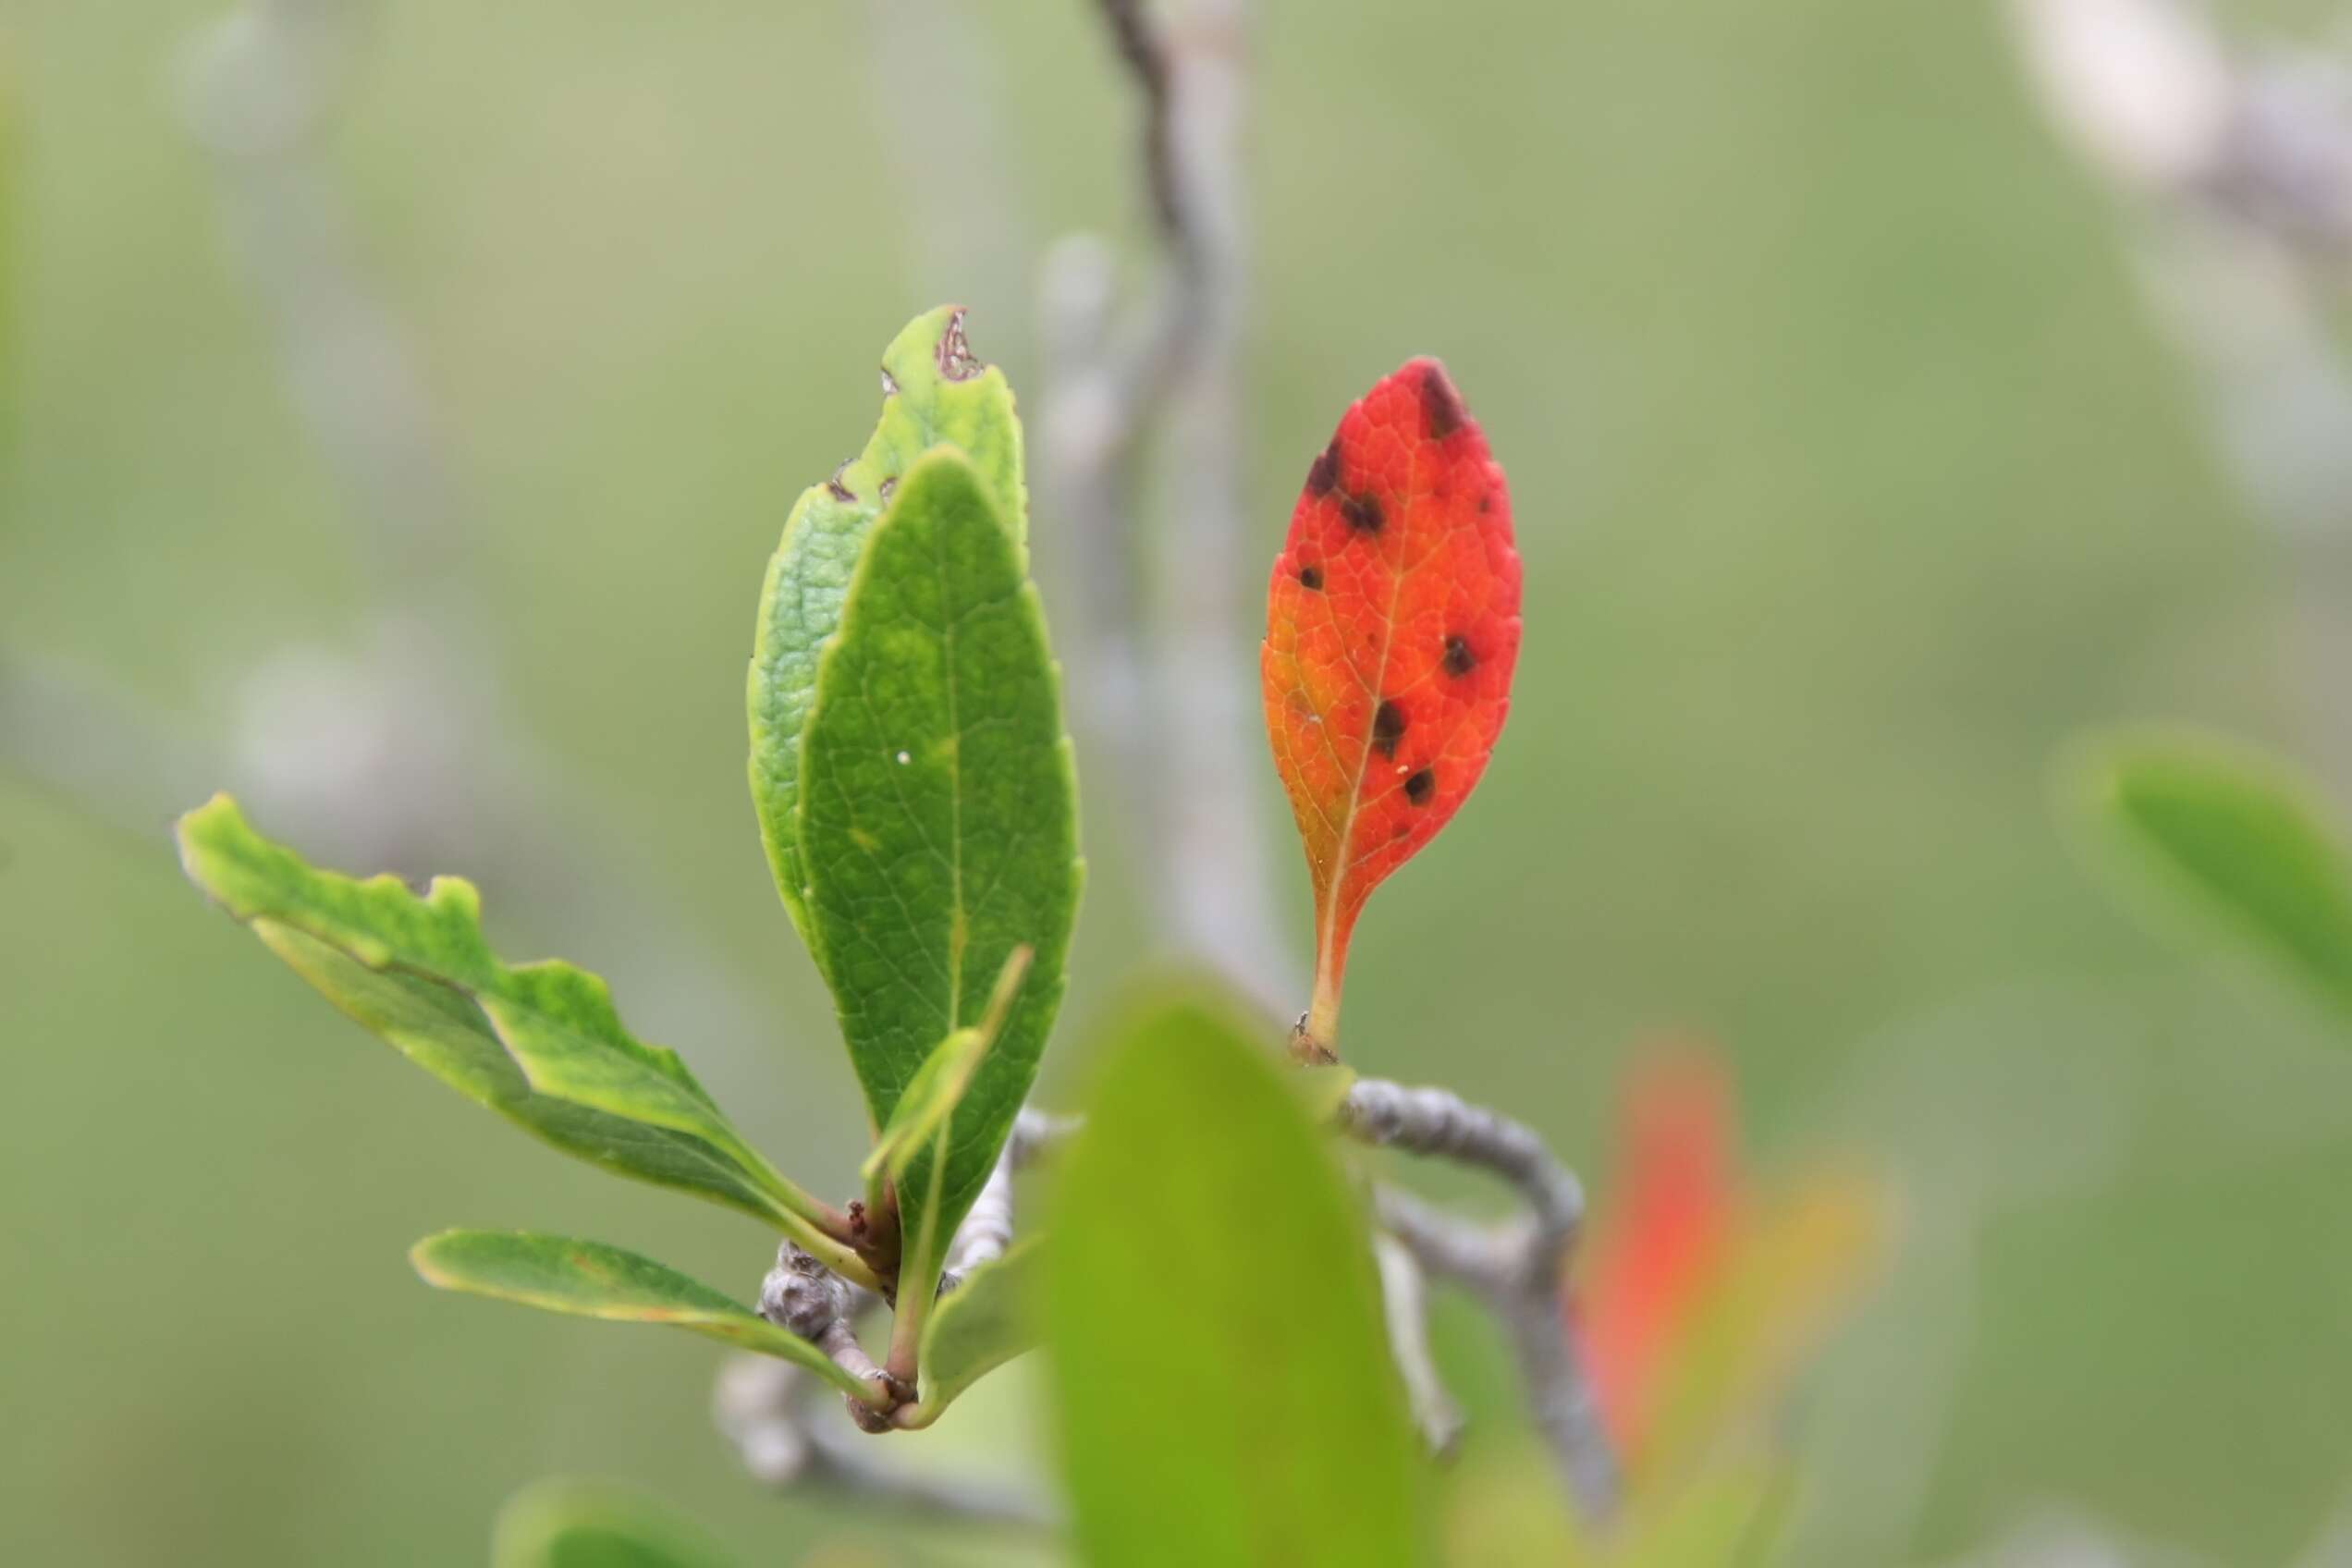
[[1342, 862]]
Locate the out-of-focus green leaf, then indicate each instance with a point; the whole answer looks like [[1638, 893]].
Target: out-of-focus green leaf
[[1798, 1262], [940, 1083], [934, 394], [1505, 1510], [2241, 839], [1324, 1088], [1730, 1517], [1222, 1378], [1504, 1507], [979, 1325], [441, 1030], [590, 1279], [10, 233], [939, 820], [556, 1022], [578, 1525]]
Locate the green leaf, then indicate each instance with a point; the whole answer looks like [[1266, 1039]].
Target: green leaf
[[580, 1525], [935, 394], [940, 825], [979, 1325], [1730, 1517], [1221, 1375], [590, 1279], [1504, 1507], [929, 1101], [556, 1023], [441, 1030], [2239, 840], [940, 1083]]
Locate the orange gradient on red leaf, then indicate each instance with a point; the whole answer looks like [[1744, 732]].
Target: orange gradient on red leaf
[[1391, 632]]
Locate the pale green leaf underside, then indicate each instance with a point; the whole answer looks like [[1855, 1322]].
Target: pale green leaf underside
[[590, 1280], [938, 1085], [2242, 840], [556, 1023], [929, 1101], [442, 1031], [939, 821], [583, 1525], [1214, 1321], [935, 394], [979, 1325]]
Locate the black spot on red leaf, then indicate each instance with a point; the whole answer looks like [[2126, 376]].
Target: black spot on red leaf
[[1420, 785], [1362, 513], [1324, 471], [1310, 577], [1388, 728], [1440, 404], [1459, 659]]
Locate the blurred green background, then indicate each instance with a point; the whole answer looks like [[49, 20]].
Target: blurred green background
[[1850, 483]]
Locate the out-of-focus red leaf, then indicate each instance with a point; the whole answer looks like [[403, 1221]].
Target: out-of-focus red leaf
[[1665, 1233], [1700, 1295], [1392, 630]]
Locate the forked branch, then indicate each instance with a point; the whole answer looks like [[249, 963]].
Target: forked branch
[[1518, 1268]]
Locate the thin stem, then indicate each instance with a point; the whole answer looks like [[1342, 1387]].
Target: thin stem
[[1316, 1038], [1496, 1264], [1405, 1301], [919, 1278]]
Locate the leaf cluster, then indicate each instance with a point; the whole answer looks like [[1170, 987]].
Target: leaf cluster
[[914, 792]]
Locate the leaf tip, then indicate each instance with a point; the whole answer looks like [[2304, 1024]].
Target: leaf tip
[[424, 1257], [953, 351], [1008, 986], [194, 827]]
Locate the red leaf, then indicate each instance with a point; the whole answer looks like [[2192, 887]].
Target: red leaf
[[1392, 631], [1667, 1232]]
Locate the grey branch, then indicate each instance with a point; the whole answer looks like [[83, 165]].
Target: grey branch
[[1518, 1268], [1145, 54], [1166, 691], [801, 1294], [2232, 163], [1440, 1124], [986, 1229], [768, 1410], [1164, 688]]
